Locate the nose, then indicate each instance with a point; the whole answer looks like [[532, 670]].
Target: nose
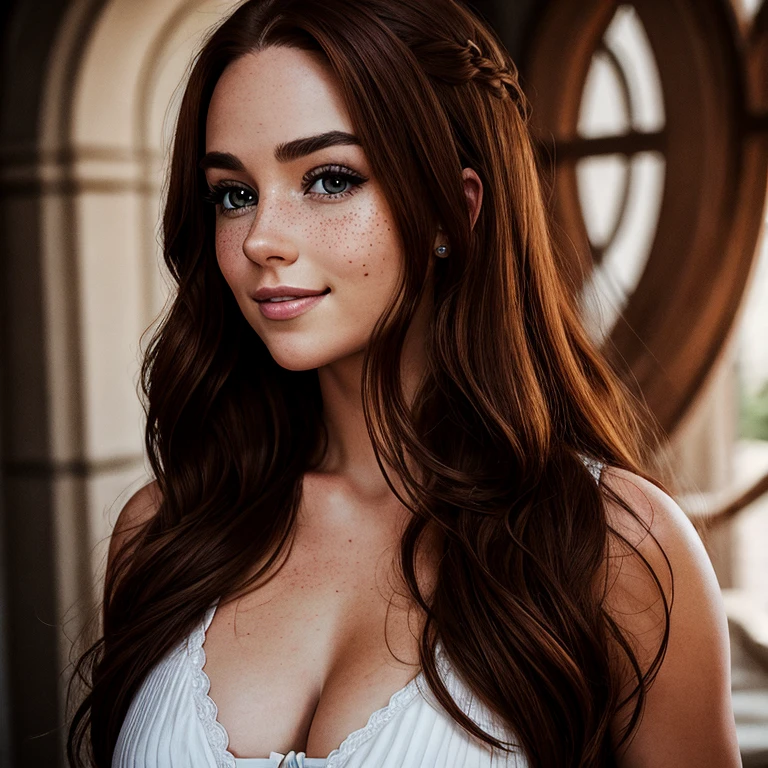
[[268, 240]]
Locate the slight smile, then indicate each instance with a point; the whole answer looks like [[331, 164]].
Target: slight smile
[[289, 308]]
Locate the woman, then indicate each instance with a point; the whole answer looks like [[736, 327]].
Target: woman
[[387, 457]]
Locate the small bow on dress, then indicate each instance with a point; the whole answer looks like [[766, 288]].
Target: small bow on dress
[[291, 760]]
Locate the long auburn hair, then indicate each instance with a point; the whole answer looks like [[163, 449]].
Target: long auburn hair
[[490, 451]]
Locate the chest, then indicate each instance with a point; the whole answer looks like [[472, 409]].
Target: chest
[[304, 659]]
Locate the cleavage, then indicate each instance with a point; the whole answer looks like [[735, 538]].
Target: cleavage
[[302, 661]]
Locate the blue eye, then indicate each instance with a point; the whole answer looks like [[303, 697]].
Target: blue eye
[[332, 184], [329, 182], [332, 181], [231, 198], [237, 198]]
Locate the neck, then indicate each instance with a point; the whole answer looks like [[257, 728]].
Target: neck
[[350, 452]]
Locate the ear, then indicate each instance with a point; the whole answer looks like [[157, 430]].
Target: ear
[[473, 189]]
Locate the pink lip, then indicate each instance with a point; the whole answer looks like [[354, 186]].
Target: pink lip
[[278, 291], [286, 310]]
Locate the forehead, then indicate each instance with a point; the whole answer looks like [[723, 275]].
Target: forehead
[[273, 96]]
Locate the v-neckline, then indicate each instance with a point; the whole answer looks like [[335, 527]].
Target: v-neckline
[[217, 735]]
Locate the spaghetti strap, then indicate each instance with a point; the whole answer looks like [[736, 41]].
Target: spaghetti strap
[[209, 616], [595, 467]]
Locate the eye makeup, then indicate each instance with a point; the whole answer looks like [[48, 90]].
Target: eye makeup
[[233, 197], [334, 172]]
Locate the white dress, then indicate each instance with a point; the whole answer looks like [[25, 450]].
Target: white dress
[[172, 723]]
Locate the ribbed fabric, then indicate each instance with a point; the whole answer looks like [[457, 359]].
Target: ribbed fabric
[[172, 722]]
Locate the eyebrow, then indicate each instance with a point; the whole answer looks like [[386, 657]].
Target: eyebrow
[[284, 153]]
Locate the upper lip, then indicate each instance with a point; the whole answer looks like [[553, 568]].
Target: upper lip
[[280, 291]]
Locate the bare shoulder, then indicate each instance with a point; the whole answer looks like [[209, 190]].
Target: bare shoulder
[[136, 513], [688, 717], [657, 527]]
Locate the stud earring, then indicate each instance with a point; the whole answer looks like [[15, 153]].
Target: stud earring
[[441, 251]]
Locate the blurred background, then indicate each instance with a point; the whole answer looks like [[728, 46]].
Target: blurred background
[[652, 121]]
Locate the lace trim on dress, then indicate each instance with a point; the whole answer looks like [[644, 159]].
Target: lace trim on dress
[[398, 701], [217, 735], [207, 711]]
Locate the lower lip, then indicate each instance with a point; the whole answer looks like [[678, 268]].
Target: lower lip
[[286, 310]]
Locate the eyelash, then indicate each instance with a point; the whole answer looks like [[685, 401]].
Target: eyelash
[[215, 194]]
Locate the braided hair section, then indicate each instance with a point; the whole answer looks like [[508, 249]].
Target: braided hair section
[[459, 64], [502, 80]]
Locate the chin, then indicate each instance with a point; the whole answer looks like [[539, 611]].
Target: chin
[[293, 364], [299, 360], [307, 357]]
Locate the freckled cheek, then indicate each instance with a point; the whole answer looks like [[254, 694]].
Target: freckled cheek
[[229, 249], [361, 244]]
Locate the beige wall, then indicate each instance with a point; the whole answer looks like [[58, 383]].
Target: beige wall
[[136, 57], [82, 281]]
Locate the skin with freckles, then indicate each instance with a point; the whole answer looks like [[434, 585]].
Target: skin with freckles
[[340, 637], [303, 660], [332, 231]]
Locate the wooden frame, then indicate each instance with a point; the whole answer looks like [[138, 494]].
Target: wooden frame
[[714, 142]]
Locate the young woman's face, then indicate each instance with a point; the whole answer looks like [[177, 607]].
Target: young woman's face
[[300, 214]]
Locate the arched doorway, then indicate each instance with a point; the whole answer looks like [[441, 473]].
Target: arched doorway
[[81, 154]]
